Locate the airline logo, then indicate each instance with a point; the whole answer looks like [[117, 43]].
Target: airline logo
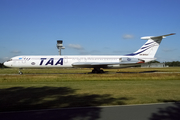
[[51, 61], [128, 59]]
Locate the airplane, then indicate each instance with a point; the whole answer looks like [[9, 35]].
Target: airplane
[[145, 54]]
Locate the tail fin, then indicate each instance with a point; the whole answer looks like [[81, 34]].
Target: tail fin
[[150, 48]]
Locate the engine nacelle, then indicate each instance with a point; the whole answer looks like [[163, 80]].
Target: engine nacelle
[[128, 59]]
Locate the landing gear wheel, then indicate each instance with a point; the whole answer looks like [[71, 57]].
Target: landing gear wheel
[[97, 70], [20, 72], [101, 71]]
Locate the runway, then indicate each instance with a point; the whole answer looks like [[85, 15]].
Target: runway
[[159, 111]]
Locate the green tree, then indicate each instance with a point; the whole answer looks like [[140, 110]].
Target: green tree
[[173, 63]]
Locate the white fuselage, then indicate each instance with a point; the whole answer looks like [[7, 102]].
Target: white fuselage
[[68, 61]]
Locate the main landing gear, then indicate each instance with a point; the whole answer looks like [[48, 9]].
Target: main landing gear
[[97, 70]]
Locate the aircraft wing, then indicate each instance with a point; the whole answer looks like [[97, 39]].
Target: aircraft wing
[[99, 64]]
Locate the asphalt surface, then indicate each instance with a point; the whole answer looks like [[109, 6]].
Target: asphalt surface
[[163, 111]]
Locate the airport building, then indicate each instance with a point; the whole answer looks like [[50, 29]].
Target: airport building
[[153, 65]]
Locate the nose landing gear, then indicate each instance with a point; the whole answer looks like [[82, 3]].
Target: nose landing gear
[[20, 72]]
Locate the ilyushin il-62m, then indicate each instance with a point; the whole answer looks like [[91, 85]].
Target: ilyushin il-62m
[[145, 54]]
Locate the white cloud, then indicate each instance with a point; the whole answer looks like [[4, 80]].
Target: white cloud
[[75, 46], [95, 52], [4, 59], [15, 51], [128, 36], [84, 53], [168, 50]]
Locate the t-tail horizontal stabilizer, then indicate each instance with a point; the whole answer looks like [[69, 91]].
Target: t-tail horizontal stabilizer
[[150, 48]]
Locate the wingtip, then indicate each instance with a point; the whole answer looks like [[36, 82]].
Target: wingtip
[[172, 34]]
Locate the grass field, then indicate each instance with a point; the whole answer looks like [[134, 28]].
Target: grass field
[[54, 88]]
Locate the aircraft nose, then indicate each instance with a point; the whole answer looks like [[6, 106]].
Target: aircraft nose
[[7, 64]]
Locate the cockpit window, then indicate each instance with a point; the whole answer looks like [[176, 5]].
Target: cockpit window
[[9, 60]]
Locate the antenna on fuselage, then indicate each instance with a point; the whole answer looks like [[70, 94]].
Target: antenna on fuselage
[[60, 46]]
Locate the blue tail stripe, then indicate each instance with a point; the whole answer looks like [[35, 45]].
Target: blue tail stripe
[[132, 54], [148, 43], [146, 46]]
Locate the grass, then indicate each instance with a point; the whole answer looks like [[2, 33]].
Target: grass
[[57, 70], [45, 90]]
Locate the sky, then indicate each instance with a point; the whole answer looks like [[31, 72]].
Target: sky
[[87, 27]]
